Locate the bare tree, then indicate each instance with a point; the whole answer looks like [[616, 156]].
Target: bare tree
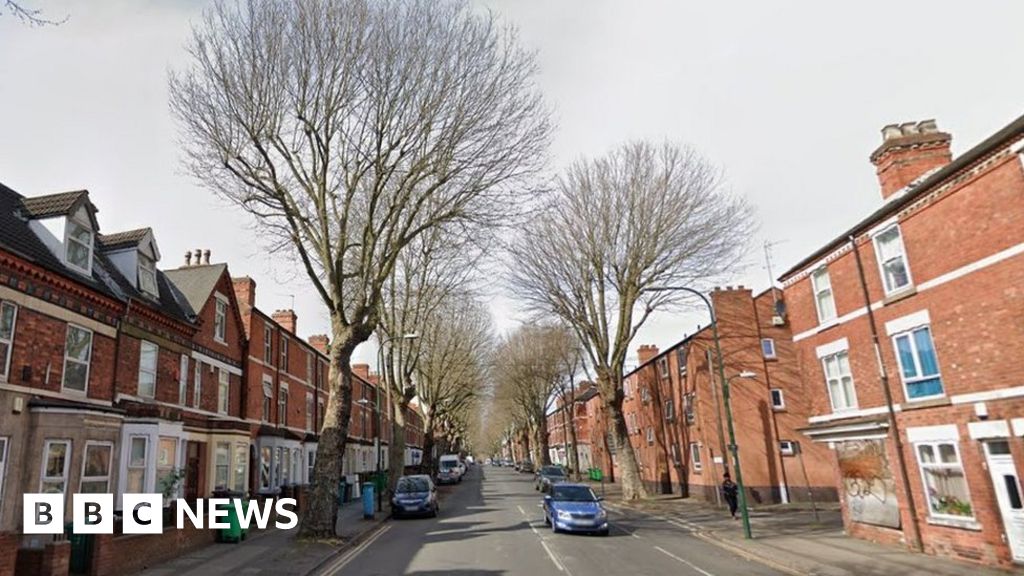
[[347, 129], [641, 217], [30, 16], [572, 362]]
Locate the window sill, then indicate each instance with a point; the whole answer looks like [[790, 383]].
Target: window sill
[[901, 294], [954, 523], [936, 402], [823, 326], [778, 408]]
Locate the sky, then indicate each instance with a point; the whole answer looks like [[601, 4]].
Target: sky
[[787, 98]]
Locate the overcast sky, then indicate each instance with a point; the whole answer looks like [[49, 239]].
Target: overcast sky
[[786, 97]]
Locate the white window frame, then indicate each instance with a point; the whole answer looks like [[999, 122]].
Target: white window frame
[[223, 391], [921, 466], [227, 465], [828, 387], [43, 478], [663, 367], [87, 362], [5, 443], [670, 410], [68, 239], [183, 380], [145, 462], [240, 467], [197, 384], [220, 318], [781, 404], [309, 367], [645, 394], [268, 345], [310, 406], [145, 370], [816, 290], [909, 334], [85, 460], [267, 407], [650, 435], [769, 353], [283, 345], [881, 265], [282, 411], [695, 457], [5, 363], [787, 448], [147, 270]]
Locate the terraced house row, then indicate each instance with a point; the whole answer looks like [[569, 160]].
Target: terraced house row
[[885, 372], [117, 376]]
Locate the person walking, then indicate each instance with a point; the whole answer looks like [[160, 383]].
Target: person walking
[[730, 491]]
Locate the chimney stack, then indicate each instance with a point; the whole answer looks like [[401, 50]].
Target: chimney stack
[[362, 371], [286, 318], [188, 258], [245, 292], [206, 257], [909, 151], [646, 352], [320, 342]]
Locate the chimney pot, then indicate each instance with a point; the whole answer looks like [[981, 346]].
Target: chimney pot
[[199, 255], [286, 318], [891, 131], [908, 151], [206, 256], [188, 258]]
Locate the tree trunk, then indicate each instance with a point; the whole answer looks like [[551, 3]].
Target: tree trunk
[[396, 455], [542, 442], [428, 444], [318, 522], [574, 454], [611, 395]]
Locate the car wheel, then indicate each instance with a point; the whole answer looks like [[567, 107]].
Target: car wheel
[[547, 521], [602, 533], [554, 528]]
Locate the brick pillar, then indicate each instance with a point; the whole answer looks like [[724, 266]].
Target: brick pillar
[[8, 553], [56, 559], [102, 555]]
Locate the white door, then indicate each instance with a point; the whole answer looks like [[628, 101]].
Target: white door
[[1008, 493]]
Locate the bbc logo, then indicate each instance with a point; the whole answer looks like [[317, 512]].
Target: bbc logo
[[92, 513]]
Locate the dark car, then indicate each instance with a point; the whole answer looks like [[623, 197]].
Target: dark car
[[526, 467], [414, 496], [575, 508], [548, 475]]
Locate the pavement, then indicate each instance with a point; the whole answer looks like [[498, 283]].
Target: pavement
[[272, 551], [793, 540]]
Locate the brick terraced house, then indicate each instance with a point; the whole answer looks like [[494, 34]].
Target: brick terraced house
[[910, 329]]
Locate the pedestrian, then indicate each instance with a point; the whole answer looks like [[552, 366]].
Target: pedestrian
[[731, 493]]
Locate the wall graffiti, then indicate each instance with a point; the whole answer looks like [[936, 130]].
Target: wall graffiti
[[868, 482]]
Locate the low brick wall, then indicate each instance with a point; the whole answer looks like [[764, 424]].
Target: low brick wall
[[8, 553], [52, 560], [132, 552]]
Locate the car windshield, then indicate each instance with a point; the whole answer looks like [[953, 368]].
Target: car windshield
[[573, 494], [449, 464], [412, 485], [552, 471]]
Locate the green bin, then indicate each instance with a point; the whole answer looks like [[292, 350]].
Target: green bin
[[234, 532], [81, 550], [596, 474]]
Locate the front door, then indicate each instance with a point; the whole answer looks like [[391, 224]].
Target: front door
[[1006, 482]]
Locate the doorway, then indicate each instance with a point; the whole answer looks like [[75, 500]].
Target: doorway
[[1006, 482]]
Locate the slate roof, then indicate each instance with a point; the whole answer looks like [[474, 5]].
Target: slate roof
[[52, 204], [196, 283], [120, 240]]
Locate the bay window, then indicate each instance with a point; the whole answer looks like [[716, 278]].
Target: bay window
[[138, 454], [96, 468], [56, 459], [222, 465]]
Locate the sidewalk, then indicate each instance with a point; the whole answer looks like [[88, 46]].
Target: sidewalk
[[789, 539], [272, 552]]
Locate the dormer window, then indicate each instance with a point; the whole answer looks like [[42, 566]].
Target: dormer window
[[147, 275], [78, 247]]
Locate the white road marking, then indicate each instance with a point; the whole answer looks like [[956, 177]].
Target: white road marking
[[544, 544], [351, 554], [683, 560], [552, 556], [684, 524]]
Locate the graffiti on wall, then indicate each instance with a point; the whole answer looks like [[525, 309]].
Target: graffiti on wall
[[868, 483]]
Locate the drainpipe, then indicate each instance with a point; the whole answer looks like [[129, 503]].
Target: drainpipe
[[883, 375], [117, 350]]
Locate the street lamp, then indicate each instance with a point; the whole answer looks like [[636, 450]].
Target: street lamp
[[377, 406], [744, 513]]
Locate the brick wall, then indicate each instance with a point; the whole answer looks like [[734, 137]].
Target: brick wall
[[125, 554]]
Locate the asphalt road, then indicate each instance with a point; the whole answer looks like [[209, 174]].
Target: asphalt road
[[491, 525]]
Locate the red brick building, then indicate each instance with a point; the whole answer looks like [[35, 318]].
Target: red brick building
[[560, 423], [924, 298], [676, 416]]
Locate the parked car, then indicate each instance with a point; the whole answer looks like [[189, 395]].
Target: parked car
[[414, 496], [526, 467], [575, 508], [449, 469], [548, 475], [508, 462]]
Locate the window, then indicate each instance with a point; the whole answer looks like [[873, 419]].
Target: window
[[787, 447], [197, 385], [919, 366], [166, 462], [222, 464], [223, 387], [632, 424], [78, 247], [670, 410], [645, 394], [663, 367], [266, 455], [309, 411], [147, 275], [284, 458], [892, 259], [823, 295], [8, 314], [768, 348], [268, 396], [183, 380], [310, 464], [148, 355], [284, 353], [675, 453], [309, 368], [220, 321], [681, 359], [96, 468], [944, 481], [3, 467], [688, 402], [138, 454], [268, 345], [695, 456], [241, 466], [56, 458], [77, 354], [322, 412], [650, 435], [282, 406], [778, 399], [839, 381]]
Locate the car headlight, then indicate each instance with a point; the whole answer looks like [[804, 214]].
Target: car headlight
[[562, 515]]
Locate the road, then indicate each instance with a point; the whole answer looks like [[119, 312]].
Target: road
[[491, 525]]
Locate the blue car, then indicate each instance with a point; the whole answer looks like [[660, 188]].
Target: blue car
[[414, 496], [575, 508]]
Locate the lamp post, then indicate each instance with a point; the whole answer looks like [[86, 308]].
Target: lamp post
[[380, 411], [725, 396], [744, 513]]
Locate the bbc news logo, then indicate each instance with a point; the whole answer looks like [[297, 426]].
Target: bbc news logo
[[143, 513]]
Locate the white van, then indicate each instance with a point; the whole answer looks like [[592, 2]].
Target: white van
[[450, 469]]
